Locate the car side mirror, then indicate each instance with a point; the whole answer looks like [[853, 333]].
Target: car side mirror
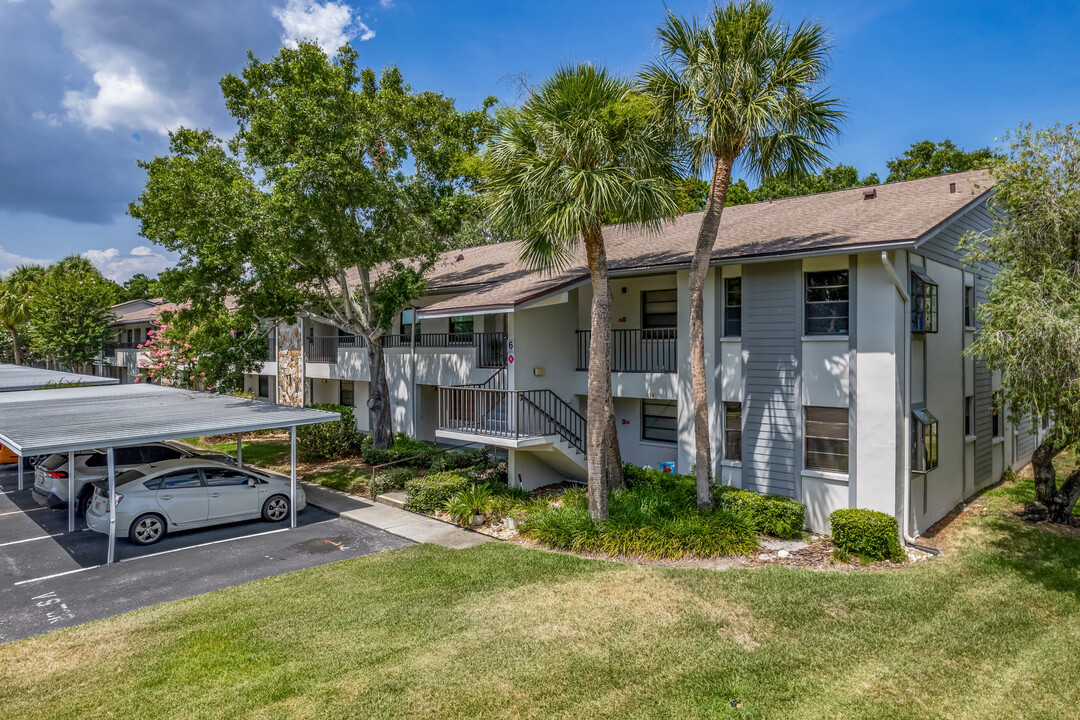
[[251, 482]]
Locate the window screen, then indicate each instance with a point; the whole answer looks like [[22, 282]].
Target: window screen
[[995, 417], [969, 415], [969, 306], [732, 431], [924, 303], [924, 438], [407, 318], [827, 439], [659, 308], [264, 386], [827, 302], [732, 307], [659, 421], [347, 395], [461, 328]]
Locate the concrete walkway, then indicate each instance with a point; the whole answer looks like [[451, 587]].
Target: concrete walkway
[[409, 525]]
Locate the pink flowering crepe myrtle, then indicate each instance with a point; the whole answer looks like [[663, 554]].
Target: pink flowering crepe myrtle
[[167, 359]]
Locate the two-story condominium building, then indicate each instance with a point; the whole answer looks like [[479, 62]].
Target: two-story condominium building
[[835, 330], [132, 320]]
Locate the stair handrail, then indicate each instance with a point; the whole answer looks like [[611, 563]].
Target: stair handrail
[[577, 439]]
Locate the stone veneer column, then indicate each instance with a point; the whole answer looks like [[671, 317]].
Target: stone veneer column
[[290, 365]]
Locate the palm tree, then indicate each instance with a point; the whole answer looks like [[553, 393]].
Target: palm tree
[[743, 87], [16, 294], [583, 149]]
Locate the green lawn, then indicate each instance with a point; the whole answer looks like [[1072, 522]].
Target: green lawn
[[987, 631], [270, 453]]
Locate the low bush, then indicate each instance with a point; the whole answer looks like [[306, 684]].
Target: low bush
[[460, 460], [330, 440], [490, 474], [429, 493], [402, 448], [647, 520], [394, 478], [867, 534], [775, 515], [474, 500]]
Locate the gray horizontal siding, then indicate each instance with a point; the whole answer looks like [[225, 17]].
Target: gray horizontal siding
[[770, 338]]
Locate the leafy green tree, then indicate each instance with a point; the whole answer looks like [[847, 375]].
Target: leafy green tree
[[16, 297], [582, 147], [840, 177], [334, 197], [140, 287], [1030, 321], [744, 87], [69, 312], [926, 159]]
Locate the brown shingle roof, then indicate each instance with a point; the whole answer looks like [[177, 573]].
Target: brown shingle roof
[[899, 214]]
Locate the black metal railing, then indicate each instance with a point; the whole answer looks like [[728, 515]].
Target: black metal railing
[[351, 341], [322, 349], [635, 351], [510, 414], [125, 346]]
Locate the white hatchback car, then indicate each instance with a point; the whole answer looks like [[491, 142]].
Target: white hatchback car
[[153, 500]]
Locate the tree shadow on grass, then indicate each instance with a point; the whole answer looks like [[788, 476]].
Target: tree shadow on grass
[[1039, 555]]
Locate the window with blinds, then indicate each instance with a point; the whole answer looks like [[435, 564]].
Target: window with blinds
[[659, 421], [827, 439]]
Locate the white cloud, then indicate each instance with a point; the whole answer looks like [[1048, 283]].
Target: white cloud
[[386, 3], [50, 119], [330, 24], [122, 92], [9, 260], [120, 266]]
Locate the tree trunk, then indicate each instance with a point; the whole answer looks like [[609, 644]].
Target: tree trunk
[[1051, 502], [382, 430], [600, 416], [613, 461], [15, 344], [699, 268]]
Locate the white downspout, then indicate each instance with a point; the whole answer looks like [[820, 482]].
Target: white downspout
[[907, 401]]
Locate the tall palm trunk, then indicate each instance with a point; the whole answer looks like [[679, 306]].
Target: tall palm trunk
[[382, 435], [15, 344], [600, 417], [699, 268]]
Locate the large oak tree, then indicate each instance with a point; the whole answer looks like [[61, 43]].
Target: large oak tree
[[337, 192]]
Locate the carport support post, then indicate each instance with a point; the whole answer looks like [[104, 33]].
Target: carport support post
[[239, 449], [71, 492], [292, 485], [112, 504], [20, 472]]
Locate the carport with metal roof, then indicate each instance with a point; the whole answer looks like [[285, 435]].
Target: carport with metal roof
[[68, 420], [23, 377]]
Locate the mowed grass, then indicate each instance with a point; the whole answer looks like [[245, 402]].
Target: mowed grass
[[498, 631], [266, 452]]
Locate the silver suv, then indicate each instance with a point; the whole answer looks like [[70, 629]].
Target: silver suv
[[51, 476]]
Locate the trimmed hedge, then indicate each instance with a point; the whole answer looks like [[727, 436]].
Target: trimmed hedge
[[430, 493], [331, 440], [775, 515], [393, 478], [867, 534]]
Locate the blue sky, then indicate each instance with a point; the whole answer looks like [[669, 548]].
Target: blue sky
[[89, 86]]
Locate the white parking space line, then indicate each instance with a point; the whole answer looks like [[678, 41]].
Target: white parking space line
[[18, 512], [218, 542], [39, 537], [56, 575]]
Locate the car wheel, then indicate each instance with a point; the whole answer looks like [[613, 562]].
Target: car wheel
[[276, 509], [83, 503], [147, 529]]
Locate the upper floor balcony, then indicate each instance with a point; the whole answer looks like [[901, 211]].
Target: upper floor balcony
[[490, 347], [653, 350]]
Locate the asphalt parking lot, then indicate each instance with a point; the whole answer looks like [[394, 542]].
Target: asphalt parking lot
[[51, 579]]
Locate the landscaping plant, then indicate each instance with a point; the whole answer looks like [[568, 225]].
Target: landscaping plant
[[429, 494], [867, 534], [474, 500], [329, 441], [775, 515]]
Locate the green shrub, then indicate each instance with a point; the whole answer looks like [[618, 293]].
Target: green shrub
[[330, 440], [461, 460], [402, 448], [775, 515], [429, 493], [652, 519], [868, 534], [474, 500], [393, 478], [494, 474]]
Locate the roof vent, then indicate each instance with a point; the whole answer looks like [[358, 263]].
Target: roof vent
[[869, 194], [952, 187]]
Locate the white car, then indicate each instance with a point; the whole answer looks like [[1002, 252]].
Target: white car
[[50, 475], [153, 500]]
